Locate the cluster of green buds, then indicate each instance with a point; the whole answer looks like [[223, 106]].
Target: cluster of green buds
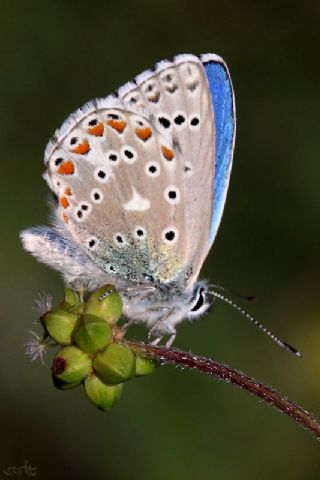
[[93, 351]]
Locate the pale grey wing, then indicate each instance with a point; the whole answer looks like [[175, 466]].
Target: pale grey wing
[[120, 190], [177, 94], [62, 254]]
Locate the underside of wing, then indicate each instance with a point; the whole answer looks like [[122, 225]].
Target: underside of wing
[[192, 100], [120, 192], [141, 176]]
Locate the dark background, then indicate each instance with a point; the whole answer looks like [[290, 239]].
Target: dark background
[[55, 55]]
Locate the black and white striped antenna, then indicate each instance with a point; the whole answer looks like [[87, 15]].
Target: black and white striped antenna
[[243, 312]]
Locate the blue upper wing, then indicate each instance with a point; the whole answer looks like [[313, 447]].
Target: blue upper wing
[[224, 119]]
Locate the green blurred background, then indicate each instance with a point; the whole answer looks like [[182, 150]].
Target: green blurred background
[[176, 424]]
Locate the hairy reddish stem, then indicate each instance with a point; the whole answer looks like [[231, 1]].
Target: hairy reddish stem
[[229, 375]]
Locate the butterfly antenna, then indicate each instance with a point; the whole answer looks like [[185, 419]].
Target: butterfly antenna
[[243, 298], [280, 342]]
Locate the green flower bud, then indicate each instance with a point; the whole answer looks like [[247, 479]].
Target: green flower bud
[[115, 364], [70, 366], [109, 308], [60, 325], [93, 334], [70, 298], [145, 366], [102, 395]]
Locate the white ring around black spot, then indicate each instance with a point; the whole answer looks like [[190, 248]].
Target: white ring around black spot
[[81, 213], [139, 121], [149, 87], [78, 215], [114, 115], [92, 243], [134, 99], [129, 154], [172, 195], [164, 121], [73, 141], [140, 233], [96, 195], [152, 169], [119, 239], [101, 174], [169, 76], [194, 122], [170, 235], [85, 207], [111, 269], [179, 119], [93, 122], [113, 157], [57, 161]]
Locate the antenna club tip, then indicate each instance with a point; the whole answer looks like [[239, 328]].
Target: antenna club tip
[[291, 349], [251, 298]]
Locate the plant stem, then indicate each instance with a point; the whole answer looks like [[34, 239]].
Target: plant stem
[[229, 375]]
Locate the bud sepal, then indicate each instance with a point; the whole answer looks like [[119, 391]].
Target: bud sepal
[[60, 325], [145, 366], [71, 299], [105, 303], [115, 364], [102, 395], [92, 334]]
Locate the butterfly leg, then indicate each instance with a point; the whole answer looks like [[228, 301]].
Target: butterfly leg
[[156, 324], [155, 327], [169, 342], [156, 341], [171, 339], [137, 290]]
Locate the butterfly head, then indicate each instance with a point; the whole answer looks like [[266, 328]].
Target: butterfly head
[[200, 301]]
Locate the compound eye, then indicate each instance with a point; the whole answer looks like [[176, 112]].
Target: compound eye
[[200, 301]]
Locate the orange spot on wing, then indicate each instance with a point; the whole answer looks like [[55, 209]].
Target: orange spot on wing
[[97, 130], [117, 125], [167, 153], [82, 149], [144, 133], [67, 191], [66, 168], [64, 202], [65, 218]]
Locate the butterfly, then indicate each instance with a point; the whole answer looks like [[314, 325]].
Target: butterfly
[[139, 180]]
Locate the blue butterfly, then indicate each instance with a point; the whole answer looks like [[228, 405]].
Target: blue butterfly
[[139, 181]]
